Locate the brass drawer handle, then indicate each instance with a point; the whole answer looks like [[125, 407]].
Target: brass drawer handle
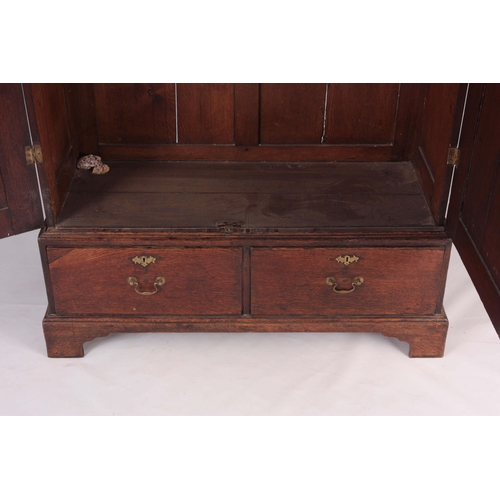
[[132, 281], [358, 280]]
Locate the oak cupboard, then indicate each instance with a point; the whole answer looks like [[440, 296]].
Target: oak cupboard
[[254, 207]]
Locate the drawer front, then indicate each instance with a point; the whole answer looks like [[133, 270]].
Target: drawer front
[[146, 281], [348, 281]]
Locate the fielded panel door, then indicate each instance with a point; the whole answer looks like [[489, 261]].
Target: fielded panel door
[[20, 204], [474, 209]]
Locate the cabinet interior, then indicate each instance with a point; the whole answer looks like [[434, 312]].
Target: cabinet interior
[[246, 157]]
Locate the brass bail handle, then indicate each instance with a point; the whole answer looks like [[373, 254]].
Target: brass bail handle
[[358, 280], [159, 281]]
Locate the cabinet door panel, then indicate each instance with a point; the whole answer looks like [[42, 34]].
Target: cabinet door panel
[[51, 126], [20, 204], [474, 213], [440, 125]]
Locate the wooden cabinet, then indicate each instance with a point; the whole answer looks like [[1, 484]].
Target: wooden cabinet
[[246, 207]]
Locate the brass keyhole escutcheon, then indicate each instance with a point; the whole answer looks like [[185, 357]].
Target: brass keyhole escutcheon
[[358, 280], [133, 281]]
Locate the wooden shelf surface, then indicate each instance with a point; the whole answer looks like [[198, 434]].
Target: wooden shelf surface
[[257, 196]]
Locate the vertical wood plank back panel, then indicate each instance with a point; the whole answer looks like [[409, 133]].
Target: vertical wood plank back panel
[[246, 114], [361, 113], [81, 96], [411, 99], [292, 113], [205, 113], [53, 127], [140, 113]]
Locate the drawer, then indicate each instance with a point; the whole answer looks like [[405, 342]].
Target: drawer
[[146, 281], [347, 281]]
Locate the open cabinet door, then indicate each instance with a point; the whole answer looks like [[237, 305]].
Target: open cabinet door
[[20, 204], [474, 210], [441, 106]]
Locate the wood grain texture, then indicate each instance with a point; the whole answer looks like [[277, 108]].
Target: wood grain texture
[[292, 153], [410, 108], [202, 281], [246, 114], [474, 220], [277, 197], [292, 113], [205, 113], [51, 128], [53, 124], [480, 274], [361, 113], [83, 106], [438, 131], [19, 195], [3, 196], [65, 336], [131, 113], [481, 201], [475, 96], [396, 282]]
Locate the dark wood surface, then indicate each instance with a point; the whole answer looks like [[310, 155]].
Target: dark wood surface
[[20, 204], [275, 200], [246, 114], [199, 281], [351, 122], [396, 281], [361, 113], [292, 114], [440, 124], [50, 125], [254, 195], [271, 153], [65, 337], [205, 113], [474, 212], [81, 97], [136, 113]]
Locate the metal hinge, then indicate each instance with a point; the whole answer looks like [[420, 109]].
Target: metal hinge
[[33, 154], [453, 156]]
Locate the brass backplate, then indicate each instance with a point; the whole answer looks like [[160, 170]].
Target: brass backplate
[[143, 260], [347, 259]]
